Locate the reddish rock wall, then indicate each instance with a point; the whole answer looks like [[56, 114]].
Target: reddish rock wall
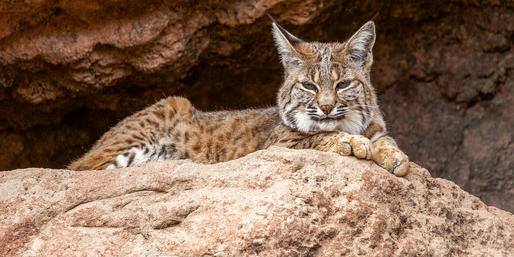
[[443, 70]]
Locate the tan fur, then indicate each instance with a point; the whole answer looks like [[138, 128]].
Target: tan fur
[[326, 102], [205, 137]]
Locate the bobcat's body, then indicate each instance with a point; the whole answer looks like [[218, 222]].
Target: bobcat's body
[[326, 102], [173, 129]]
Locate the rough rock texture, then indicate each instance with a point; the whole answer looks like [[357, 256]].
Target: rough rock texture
[[443, 69], [277, 202]]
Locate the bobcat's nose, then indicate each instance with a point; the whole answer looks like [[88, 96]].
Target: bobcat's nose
[[326, 108]]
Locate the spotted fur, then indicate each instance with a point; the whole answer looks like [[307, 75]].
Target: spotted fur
[[326, 102]]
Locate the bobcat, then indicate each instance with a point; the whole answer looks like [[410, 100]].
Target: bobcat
[[326, 102]]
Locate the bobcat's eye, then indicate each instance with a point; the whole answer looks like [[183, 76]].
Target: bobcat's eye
[[342, 85], [310, 86], [355, 58]]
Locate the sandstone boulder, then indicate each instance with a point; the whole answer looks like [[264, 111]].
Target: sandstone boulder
[[276, 202]]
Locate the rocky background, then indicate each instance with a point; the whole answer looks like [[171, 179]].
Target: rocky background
[[443, 71]]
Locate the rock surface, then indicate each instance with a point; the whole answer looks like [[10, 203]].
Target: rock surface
[[444, 71], [276, 202]]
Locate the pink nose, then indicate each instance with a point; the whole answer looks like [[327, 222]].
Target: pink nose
[[326, 108]]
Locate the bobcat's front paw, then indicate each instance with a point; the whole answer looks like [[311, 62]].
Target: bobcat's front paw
[[345, 144], [392, 159]]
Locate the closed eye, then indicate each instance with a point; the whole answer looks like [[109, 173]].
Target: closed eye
[[342, 84], [310, 86]]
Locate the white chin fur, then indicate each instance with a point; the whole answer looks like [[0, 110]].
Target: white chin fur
[[351, 124], [303, 122]]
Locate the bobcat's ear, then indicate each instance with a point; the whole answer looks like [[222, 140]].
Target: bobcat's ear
[[358, 47], [286, 45]]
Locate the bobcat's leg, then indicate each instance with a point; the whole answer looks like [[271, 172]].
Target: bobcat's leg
[[382, 151], [337, 142], [388, 156], [140, 138], [145, 154]]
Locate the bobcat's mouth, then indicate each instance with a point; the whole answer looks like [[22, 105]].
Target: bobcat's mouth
[[339, 117]]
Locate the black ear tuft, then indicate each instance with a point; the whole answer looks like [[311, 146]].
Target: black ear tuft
[[293, 40]]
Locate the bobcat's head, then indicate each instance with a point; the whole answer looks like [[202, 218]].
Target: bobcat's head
[[326, 85]]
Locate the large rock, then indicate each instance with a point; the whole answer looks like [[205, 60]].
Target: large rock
[[276, 202], [70, 69]]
